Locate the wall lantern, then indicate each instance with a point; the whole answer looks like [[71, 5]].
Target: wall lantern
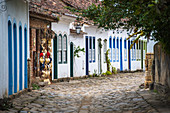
[[78, 28]]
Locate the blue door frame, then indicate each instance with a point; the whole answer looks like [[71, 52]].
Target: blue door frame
[[10, 76], [129, 55], [25, 57], [121, 60], [15, 57], [20, 58], [87, 55]]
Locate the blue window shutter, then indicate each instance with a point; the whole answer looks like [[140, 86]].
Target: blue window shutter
[[94, 48]]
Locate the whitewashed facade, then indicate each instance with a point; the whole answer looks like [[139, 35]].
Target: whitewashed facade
[[14, 25], [119, 54]]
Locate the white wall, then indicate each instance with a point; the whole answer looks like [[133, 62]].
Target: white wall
[[17, 10]]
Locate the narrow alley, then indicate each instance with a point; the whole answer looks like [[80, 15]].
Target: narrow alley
[[113, 94]]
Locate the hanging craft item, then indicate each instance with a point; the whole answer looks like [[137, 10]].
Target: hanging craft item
[[45, 55]]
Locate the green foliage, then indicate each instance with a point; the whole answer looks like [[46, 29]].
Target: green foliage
[[95, 73], [77, 50], [35, 87], [108, 73], [104, 74], [108, 60], [146, 18], [100, 44], [114, 70]]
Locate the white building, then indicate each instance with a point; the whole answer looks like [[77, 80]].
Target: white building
[[94, 60], [14, 46]]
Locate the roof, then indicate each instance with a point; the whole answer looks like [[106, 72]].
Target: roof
[[54, 8]]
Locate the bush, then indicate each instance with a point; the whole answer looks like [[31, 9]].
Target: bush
[[108, 73], [35, 87], [114, 70], [104, 74]]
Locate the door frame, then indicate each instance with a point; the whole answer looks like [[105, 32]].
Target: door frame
[[55, 58], [121, 60], [129, 55], [71, 59], [87, 55]]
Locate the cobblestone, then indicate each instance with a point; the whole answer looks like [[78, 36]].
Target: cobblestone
[[114, 94]]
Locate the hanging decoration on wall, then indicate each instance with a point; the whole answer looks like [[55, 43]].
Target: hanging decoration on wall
[[45, 53]]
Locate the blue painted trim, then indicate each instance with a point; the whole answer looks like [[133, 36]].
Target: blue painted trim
[[87, 55], [129, 54], [90, 45], [25, 57], [110, 46], [20, 56], [125, 48], [10, 74], [118, 48], [121, 59], [114, 45], [134, 52], [94, 48], [15, 56]]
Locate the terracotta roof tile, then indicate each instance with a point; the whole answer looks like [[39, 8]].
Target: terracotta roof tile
[[52, 7]]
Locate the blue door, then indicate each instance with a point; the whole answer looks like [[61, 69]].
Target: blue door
[[121, 61], [15, 57], [129, 55], [20, 58], [10, 76], [25, 58], [87, 59]]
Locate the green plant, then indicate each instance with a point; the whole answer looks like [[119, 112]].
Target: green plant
[[155, 91], [108, 73], [35, 87], [104, 74], [108, 60], [114, 70], [150, 18], [95, 73], [100, 44], [77, 50]]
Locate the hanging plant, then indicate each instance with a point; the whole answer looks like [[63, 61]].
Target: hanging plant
[[77, 50], [108, 60], [100, 44]]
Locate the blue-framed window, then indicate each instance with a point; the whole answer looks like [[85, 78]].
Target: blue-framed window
[[15, 57], [134, 47], [125, 49], [114, 50], [20, 58], [117, 47], [132, 51], [90, 49], [93, 52], [110, 47], [25, 57], [10, 76]]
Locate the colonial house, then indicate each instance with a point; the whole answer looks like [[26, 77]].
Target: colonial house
[[14, 46], [67, 62]]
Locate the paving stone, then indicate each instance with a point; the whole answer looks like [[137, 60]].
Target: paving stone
[[113, 94]]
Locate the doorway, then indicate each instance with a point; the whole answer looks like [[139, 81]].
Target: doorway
[[71, 59]]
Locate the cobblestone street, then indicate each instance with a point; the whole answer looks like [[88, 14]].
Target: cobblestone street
[[114, 94]]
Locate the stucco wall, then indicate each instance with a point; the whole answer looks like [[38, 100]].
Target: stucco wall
[[161, 77], [17, 11]]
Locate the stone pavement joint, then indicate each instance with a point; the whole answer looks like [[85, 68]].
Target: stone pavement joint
[[113, 94]]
